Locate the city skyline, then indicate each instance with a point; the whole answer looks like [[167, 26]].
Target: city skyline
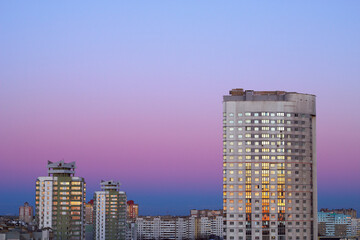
[[135, 95]]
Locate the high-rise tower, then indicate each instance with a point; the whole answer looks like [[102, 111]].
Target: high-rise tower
[[269, 165], [60, 199], [110, 212]]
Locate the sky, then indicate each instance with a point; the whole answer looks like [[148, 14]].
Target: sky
[[132, 91]]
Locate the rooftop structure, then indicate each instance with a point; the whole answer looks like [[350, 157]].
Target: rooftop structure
[[110, 185], [61, 168]]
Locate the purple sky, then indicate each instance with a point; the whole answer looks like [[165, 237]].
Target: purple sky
[[133, 92]]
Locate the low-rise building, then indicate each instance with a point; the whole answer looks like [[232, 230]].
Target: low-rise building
[[334, 225], [201, 224], [346, 211]]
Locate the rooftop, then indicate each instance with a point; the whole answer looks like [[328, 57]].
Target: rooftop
[[110, 185], [61, 168], [239, 94]]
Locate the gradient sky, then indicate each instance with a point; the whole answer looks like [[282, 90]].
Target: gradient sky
[[132, 91]]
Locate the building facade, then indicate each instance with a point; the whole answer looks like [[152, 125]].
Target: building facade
[[269, 165], [132, 209], [164, 227], [89, 212], [60, 201], [346, 211], [335, 225], [26, 213], [201, 224], [110, 212]]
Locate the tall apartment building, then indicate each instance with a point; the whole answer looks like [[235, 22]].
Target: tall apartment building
[[269, 165], [26, 213], [110, 211], [60, 201]]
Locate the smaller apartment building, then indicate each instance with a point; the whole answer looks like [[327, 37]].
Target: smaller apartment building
[[335, 225], [201, 224]]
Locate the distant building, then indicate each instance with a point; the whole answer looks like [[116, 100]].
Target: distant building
[[346, 211], [26, 213], [16, 234], [207, 223], [60, 201], [205, 213], [132, 209], [201, 224], [164, 227], [131, 230], [334, 225], [110, 212], [89, 212], [354, 227]]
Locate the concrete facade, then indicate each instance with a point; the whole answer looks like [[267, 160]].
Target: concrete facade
[[336, 225], [269, 165], [201, 224]]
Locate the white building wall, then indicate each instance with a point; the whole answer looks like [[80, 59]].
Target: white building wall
[[100, 219], [45, 201]]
